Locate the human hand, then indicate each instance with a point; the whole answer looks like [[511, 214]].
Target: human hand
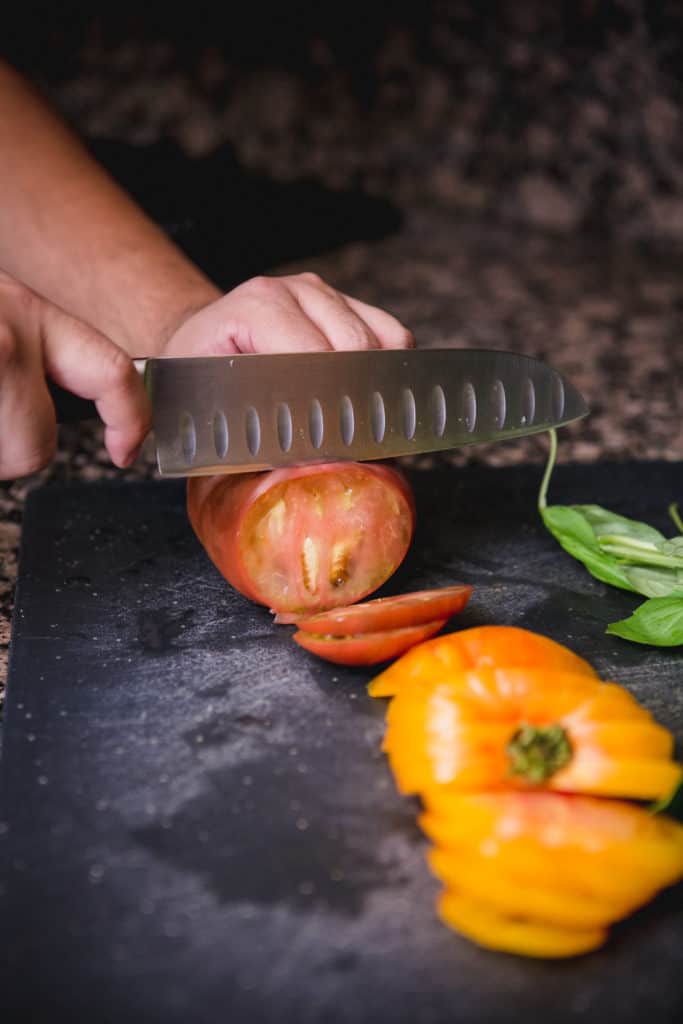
[[295, 313], [39, 340]]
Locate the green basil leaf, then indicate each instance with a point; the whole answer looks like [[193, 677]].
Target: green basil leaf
[[674, 546], [658, 621], [606, 523], [654, 582], [574, 532]]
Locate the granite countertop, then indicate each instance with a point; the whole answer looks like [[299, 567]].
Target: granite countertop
[[609, 317], [476, 213]]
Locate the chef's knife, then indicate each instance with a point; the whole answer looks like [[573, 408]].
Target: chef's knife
[[226, 414]]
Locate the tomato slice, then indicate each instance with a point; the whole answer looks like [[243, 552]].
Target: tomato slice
[[388, 613], [367, 648]]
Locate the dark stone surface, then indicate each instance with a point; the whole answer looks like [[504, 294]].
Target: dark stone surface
[[197, 821]]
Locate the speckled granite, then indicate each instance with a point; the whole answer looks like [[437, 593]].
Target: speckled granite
[[560, 116], [611, 318], [534, 149]]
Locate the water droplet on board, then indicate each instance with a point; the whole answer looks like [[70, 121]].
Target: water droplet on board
[[96, 873]]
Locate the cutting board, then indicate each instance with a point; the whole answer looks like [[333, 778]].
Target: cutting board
[[197, 822]]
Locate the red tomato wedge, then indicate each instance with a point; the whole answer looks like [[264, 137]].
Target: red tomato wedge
[[388, 613], [367, 648], [305, 539]]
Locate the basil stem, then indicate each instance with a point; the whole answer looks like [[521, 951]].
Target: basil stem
[[624, 553]]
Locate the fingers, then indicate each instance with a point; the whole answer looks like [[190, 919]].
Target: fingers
[[389, 331], [332, 313], [39, 339], [88, 364], [261, 315], [295, 313], [28, 432]]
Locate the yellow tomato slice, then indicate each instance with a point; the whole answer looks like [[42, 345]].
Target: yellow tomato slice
[[488, 882], [478, 647], [621, 836], [637, 778], [514, 935], [578, 872]]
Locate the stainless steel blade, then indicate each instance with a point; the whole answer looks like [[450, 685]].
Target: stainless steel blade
[[253, 412]]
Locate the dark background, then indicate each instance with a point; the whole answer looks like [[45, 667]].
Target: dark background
[[562, 116]]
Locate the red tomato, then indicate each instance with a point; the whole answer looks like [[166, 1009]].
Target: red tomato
[[305, 539], [388, 612], [367, 648]]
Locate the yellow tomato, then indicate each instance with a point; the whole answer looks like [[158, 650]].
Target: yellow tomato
[[508, 934], [479, 647], [542, 874], [528, 728], [615, 850]]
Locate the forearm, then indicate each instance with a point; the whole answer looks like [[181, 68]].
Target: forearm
[[70, 233]]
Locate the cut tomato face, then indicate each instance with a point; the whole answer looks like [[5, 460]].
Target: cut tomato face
[[367, 648], [388, 613], [305, 539]]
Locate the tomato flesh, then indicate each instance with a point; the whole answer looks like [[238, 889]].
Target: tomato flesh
[[305, 539], [387, 613], [367, 648]]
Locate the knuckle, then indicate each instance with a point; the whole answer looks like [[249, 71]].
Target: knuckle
[[310, 277], [261, 285]]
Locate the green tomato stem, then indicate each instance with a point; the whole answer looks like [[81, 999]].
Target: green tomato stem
[[536, 752]]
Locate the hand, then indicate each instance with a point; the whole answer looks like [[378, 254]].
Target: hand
[[297, 313], [38, 339]]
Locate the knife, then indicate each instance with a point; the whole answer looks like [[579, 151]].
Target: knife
[[241, 413]]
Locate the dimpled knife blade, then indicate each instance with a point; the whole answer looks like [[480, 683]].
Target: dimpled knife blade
[[242, 413]]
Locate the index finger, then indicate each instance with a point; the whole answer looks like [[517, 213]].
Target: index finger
[[85, 362]]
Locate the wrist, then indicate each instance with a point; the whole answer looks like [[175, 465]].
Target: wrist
[[174, 313], [148, 326]]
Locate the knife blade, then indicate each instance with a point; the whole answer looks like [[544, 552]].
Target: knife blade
[[242, 413]]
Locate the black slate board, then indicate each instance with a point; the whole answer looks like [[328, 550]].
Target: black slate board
[[197, 822]]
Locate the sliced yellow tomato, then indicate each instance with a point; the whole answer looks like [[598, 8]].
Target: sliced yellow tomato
[[580, 834], [479, 647], [508, 934], [527, 728], [489, 883]]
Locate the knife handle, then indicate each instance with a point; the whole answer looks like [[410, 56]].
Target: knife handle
[[69, 408]]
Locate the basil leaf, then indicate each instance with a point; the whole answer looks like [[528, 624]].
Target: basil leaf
[[654, 582], [605, 523], [658, 621], [672, 547], [574, 532]]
